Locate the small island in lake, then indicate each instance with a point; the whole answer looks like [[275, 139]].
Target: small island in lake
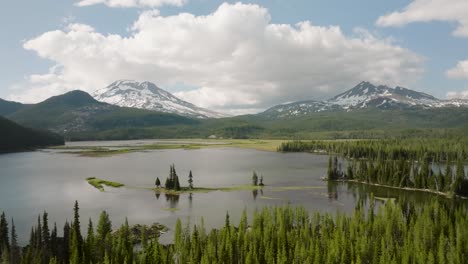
[[172, 184], [98, 183]]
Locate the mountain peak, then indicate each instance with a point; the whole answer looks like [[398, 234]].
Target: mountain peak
[[361, 96], [365, 92], [73, 98], [146, 95]]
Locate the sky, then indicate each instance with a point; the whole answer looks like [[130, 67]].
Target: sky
[[233, 57]]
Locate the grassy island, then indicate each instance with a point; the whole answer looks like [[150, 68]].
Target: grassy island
[[98, 183], [206, 189]]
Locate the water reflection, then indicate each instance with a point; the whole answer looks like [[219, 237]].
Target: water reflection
[[172, 199], [157, 194], [190, 198], [332, 190], [254, 194]]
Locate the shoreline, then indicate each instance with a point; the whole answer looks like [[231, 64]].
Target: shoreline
[[108, 150], [446, 195]]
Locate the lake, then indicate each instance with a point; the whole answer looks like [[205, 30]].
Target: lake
[[31, 182]]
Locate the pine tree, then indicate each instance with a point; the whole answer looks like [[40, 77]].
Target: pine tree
[[440, 181], [144, 238], [28, 256], [190, 180], [459, 177], [175, 179], [158, 182], [4, 240], [176, 183], [178, 241], [65, 254], [54, 241], [349, 171], [76, 240], [448, 176], [5, 257], [172, 182], [254, 179], [103, 230], [424, 172], [168, 184], [38, 241], [45, 238], [15, 249], [333, 171], [90, 244], [124, 245]]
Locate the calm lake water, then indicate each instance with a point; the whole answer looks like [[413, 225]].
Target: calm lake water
[[32, 182]]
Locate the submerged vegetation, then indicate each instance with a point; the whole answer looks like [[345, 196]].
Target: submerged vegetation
[[396, 232], [188, 144]]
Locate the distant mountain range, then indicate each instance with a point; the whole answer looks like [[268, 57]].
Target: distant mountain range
[[77, 111], [365, 110], [146, 95], [362, 96]]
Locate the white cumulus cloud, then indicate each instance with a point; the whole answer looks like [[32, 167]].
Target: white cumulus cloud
[[131, 3], [458, 95], [236, 57], [459, 71], [431, 10]]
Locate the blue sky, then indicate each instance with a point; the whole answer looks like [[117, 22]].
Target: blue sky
[[429, 43]]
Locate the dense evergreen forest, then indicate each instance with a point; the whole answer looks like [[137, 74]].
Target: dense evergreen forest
[[15, 137], [435, 149], [392, 233], [434, 164]]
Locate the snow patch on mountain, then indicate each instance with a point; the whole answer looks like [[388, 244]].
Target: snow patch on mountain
[[365, 95], [146, 95]]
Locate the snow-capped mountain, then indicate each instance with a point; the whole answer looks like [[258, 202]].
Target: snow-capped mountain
[[299, 108], [365, 95], [146, 95]]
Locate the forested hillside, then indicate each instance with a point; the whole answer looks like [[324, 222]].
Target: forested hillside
[[77, 111], [9, 107], [14, 137]]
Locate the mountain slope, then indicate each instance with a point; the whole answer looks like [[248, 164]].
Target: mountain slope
[[298, 109], [9, 107], [363, 96], [61, 113], [77, 111], [15, 137], [364, 93], [146, 95]]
